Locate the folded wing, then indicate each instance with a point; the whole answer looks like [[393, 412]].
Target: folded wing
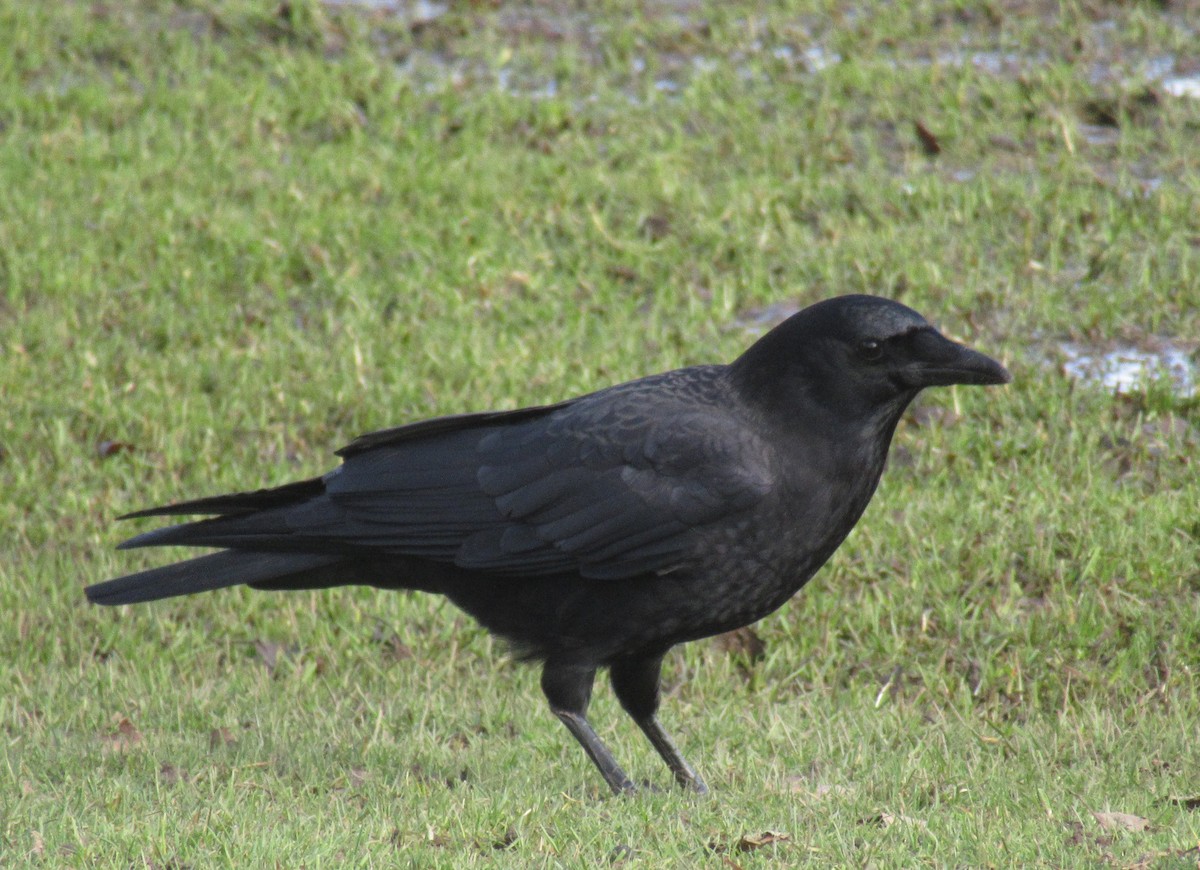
[[601, 487]]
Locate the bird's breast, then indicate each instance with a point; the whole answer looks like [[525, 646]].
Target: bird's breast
[[754, 565]]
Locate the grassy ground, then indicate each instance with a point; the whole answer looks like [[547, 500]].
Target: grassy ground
[[234, 236]]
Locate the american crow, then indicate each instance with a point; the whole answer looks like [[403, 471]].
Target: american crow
[[601, 531]]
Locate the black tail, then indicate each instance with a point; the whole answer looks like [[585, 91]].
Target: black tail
[[230, 568], [253, 567], [234, 503]]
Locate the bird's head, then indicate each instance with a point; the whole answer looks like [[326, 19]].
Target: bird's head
[[858, 355]]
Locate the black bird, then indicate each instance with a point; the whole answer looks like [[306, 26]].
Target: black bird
[[601, 531]]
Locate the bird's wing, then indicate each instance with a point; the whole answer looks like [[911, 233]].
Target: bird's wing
[[616, 500], [606, 487], [591, 489], [410, 432]]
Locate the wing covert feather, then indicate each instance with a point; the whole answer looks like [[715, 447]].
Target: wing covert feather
[[601, 487]]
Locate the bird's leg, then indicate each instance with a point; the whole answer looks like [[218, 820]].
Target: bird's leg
[[569, 689], [685, 774], [635, 682]]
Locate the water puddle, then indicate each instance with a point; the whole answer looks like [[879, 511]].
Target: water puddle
[[673, 69], [1100, 134], [668, 71], [411, 12], [1124, 368], [1182, 86], [996, 63], [757, 321]]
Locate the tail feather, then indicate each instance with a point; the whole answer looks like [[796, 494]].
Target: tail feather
[[237, 531], [216, 571], [239, 502]]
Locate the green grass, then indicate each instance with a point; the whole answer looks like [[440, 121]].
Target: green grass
[[231, 239]]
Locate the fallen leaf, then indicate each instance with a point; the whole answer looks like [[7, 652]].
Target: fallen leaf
[[220, 737], [750, 842], [716, 846], [397, 650], [742, 641], [507, 841], [171, 774], [929, 142], [268, 651], [622, 273], [107, 449], [745, 647], [272, 653], [619, 854], [1079, 837], [1121, 822], [887, 820], [656, 227], [125, 737], [1004, 142]]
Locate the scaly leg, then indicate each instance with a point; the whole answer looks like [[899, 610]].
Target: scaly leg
[[569, 690], [635, 682]]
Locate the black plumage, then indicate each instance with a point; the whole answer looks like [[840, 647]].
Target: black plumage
[[600, 531]]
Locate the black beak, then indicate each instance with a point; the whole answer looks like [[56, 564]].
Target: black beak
[[940, 362]]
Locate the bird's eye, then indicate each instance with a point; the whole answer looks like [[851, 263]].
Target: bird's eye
[[870, 350]]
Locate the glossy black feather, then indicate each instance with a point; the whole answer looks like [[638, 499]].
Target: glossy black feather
[[206, 573]]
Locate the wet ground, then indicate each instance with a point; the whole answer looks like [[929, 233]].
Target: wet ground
[[438, 59], [1125, 368], [437, 46]]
